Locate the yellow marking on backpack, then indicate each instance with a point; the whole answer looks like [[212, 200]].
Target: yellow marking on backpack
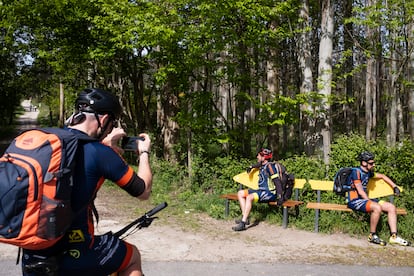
[[276, 175], [76, 236], [74, 253]]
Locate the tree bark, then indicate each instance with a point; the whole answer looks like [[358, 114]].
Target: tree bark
[[305, 63], [371, 82], [325, 75], [410, 76], [61, 105], [349, 116]]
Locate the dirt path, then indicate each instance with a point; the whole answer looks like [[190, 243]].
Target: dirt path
[[26, 121], [172, 238]]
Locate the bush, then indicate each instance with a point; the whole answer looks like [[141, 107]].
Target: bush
[[212, 178]]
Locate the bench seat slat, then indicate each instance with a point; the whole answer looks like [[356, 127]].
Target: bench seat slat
[[229, 196], [287, 203], [340, 207]]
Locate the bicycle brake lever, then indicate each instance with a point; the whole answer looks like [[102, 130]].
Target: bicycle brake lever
[[147, 221]]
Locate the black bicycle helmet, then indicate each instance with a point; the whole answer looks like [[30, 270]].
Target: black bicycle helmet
[[366, 156], [98, 101]]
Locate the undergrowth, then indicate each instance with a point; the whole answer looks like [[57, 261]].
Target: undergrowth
[[201, 191]]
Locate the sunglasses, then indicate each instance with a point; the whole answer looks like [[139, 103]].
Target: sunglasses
[[371, 163]]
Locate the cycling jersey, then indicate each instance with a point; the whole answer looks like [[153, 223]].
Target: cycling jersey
[[355, 201], [80, 252], [266, 191]]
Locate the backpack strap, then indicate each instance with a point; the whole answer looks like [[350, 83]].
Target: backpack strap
[[274, 174], [279, 189], [358, 173], [279, 168]]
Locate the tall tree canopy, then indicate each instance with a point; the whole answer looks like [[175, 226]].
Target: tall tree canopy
[[220, 77]]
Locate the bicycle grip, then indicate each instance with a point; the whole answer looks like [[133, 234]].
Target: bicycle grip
[[157, 208]]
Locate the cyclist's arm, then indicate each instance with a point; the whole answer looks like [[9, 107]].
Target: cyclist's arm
[[144, 168], [356, 181], [361, 191], [112, 139]]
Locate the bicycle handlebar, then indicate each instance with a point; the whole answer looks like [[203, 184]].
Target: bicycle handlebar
[[156, 209], [143, 221]]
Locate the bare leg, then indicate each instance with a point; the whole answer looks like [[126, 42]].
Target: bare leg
[[390, 209], [248, 207], [134, 267], [375, 216], [242, 200]]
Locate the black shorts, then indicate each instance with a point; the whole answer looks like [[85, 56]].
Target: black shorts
[[105, 255]]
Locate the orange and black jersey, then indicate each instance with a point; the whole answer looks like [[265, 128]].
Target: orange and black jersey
[[95, 163], [358, 176]]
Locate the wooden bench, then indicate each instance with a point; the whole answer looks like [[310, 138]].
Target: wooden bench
[[376, 189], [299, 183]]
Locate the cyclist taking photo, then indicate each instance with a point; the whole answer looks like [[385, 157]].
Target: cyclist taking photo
[[80, 251]]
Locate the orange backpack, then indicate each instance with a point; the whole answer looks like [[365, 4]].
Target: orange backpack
[[36, 180]]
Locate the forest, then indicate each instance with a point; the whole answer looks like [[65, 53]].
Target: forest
[[233, 75], [236, 74], [221, 79]]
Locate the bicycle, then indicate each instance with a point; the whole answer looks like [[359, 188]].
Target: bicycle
[[49, 266]]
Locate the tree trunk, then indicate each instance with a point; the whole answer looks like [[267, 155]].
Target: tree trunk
[[61, 105], [396, 127], [410, 77], [349, 116], [167, 109], [325, 75], [273, 87], [371, 82], [305, 63], [393, 96]]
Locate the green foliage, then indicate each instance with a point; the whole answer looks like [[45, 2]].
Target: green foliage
[[305, 167], [394, 162], [216, 176], [212, 178]]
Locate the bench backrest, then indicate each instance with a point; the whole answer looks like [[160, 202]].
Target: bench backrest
[[376, 187], [251, 180]]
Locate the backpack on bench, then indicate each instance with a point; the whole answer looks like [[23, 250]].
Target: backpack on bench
[[287, 180], [341, 181]]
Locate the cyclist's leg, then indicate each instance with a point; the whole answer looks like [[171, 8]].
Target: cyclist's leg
[[250, 199], [391, 211], [107, 254], [370, 206], [134, 267], [266, 196], [241, 195], [375, 210]]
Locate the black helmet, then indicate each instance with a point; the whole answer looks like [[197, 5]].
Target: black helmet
[[98, 101], [366, 156]]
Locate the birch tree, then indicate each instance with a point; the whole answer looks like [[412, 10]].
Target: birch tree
[[325, 74], [410, 74], [371, 77], [305, 62]]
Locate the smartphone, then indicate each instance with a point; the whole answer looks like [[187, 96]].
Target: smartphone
[[130, 143]]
